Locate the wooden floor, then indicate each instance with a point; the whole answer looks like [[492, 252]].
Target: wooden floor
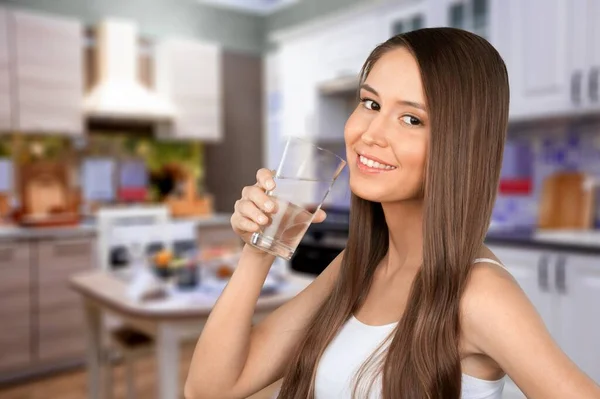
[[73, 384]]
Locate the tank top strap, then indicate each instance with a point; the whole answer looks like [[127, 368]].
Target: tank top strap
[[488, 260]]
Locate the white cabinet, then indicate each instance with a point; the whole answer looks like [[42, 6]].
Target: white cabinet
[[344, 47], [48, 73], [5, 88], [564, 288], [578, 287], [584, 54], [299, 68], [189, 74]]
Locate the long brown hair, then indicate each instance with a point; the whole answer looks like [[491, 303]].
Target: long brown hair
[[466, 87]]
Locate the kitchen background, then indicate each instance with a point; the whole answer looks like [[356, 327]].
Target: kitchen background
[[175, 105]]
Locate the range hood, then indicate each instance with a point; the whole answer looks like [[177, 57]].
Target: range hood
[[118, 94]]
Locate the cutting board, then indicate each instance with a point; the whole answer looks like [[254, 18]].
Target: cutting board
[[566, 202]]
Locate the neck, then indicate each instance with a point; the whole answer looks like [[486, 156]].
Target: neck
[[405, 225]]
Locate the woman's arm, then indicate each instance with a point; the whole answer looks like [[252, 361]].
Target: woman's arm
[[232, 359], [500, 321]]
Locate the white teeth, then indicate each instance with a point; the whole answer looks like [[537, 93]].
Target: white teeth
[[373, 164]]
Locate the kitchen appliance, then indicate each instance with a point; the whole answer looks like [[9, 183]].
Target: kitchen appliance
[[119, 94], [322, 242]]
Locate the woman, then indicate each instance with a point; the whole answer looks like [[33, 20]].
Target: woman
[[415, 306]]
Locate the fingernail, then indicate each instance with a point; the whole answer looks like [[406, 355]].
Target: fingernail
[[270, 184], [269, 205], [262, 219]]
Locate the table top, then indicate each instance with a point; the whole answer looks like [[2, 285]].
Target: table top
[[110, 292]]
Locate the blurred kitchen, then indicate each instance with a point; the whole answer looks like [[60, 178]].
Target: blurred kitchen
[[130, 127]]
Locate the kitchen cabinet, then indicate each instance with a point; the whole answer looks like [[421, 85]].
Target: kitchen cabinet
[[578, 288], [15, 306], [49, 78], [189, 74], [5, 82], [344, 47], [584, 54], [561, 286], [299, 68], [542, 84], [60, 317], [406, 18]]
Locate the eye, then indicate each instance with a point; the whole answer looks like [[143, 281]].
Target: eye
[[411, 120], [370, 104]]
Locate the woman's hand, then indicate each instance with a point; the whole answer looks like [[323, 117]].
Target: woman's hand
[[255, 208]]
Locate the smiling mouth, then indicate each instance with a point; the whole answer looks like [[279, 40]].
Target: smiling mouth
[[368, 163]]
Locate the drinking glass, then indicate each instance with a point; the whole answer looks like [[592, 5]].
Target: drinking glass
[[305, 175]]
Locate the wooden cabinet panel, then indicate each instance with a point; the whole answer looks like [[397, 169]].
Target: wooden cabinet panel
[[15, 305], [48, 78], [189, 73], [61, 332]]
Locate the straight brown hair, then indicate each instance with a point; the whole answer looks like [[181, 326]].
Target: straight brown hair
[[466, 88]]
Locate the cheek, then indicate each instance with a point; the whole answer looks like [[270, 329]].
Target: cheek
[[412, 155]]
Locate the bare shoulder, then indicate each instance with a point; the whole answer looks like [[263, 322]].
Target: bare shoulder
[[491, 295]]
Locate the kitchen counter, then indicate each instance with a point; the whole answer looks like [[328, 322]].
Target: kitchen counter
[[88, 228], [585, 242]]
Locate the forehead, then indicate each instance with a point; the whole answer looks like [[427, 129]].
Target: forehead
[[396, 74]]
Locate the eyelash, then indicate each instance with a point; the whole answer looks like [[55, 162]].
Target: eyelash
[[419, 123]]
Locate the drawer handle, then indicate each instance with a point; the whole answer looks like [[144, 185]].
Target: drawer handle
[[576, 87], [594, 84], [561, 275], [543, 280], [72, 249]]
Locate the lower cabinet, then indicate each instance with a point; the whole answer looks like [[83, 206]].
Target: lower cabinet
[[42, 319], [565, 289]]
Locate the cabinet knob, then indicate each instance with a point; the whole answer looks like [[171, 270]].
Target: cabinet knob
[[561, 275], [576, 87], [593, 84], [543, 280]]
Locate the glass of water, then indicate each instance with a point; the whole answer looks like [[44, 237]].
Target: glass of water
[[305, 175]]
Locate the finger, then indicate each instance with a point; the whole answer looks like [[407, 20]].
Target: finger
[[319, 216], [264, 179], [249, 210], [260, 199], [241, 223]]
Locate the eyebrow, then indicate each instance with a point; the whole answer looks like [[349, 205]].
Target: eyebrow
[[404, 102]]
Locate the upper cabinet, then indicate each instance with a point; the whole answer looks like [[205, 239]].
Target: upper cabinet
[[5, 89], [583, 53], [189, 74], [344, 46], [48, 73]]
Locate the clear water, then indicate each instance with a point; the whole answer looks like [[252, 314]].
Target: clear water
[[291, 218]]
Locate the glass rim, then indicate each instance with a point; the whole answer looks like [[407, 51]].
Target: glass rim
[[306, 141]]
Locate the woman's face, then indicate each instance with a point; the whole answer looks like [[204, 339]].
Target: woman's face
[[388, 133]]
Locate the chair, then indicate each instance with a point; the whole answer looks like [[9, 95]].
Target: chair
[[140, 226]]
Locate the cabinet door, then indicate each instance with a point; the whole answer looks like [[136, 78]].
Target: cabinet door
[[189, 74], [49, 77], [298, 87], [5, 94], [541, 76], [578, 286], [15, 306], [533, 271], [60, 317], [593, 49]]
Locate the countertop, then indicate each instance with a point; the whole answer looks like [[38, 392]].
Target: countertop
[[88, 228], [580, 241]]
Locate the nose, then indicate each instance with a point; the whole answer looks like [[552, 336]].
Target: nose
[[375, 134]]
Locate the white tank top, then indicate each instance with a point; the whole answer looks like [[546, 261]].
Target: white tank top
[[352, 346]]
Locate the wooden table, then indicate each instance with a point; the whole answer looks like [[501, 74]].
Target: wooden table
[[170, 321]]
